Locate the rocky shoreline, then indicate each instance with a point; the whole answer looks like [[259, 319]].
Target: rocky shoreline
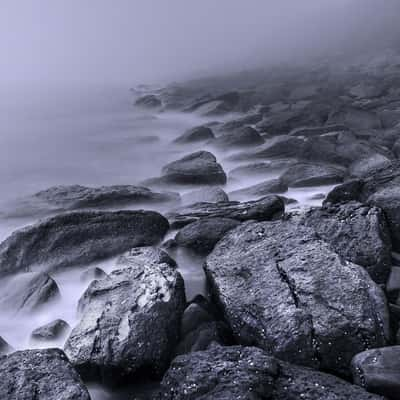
[[301, 303]]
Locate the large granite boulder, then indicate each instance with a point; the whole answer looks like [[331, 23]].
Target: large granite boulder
[[79, 238], [28, 292], [40, 375], [197, 168], [196, 134], [357, 232], [248, 373], [283, 289], [202, 235], [265, 209], [130, 320], [378, 371]]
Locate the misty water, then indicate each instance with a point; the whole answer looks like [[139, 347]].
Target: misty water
[[92, 137]]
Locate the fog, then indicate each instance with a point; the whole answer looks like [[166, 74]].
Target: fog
[[148, 40]]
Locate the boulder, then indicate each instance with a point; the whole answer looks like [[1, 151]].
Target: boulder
[[76, 197], [28, 292], [205, 194], [5, 348], [378, 371], [248, 119], [260, 190], [148, 101], [261, 168], [196, 134], [54, 330], [365, 166], [264, 209], [248, 373], [241, 137], [202, 235], [307, 131], [194, 169], [281, 147], [130, 320], [40, 375], [357, 232], [355, 118], [283, 289], [310, 174], [345, 192], [79, 238], [217, 105]]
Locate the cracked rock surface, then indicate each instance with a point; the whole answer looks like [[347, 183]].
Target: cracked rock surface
[[248, 373], [130, 320], [283, 289]]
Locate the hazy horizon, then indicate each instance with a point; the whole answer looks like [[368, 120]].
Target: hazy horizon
[[134, 41]]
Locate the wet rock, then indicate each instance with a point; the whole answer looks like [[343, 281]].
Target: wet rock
[[281, 147], [260, 190], [5, 348], [79, 238], [261, 168], [345, 192], [378, 371], [202, 235], [130, 320], [357, 232], [307, 131], [54, 330], [194, 169], [77, 197], [138, 256], [216, 105], [308, 174], [304, 92], [92, 273], [342, 149], [40, 374], [206, 194], [148, 101], [249, 119], [28, 292], [193, 317], [249, 373], [366, 90], [356, 118], [283, 289], [264, 209], [196, 134], [365, 166], [241, 137], [396, 148]]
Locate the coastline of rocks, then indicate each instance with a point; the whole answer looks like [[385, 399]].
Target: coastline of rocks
[[302, 300]]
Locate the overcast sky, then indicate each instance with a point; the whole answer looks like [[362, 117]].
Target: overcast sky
[[135, 40]]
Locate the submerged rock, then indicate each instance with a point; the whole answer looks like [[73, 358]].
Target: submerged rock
[[260, 190], [357, 232], [309, 174], [129, 320], [54, 330], [196, 134], [264, 209], [378, 371], [40, 375], [92, 273], [206, 194], [79, 238], [202, 235], [283, 289], [248, 373], [194, 169], [28, 292], [241, 137], [148, 101]]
